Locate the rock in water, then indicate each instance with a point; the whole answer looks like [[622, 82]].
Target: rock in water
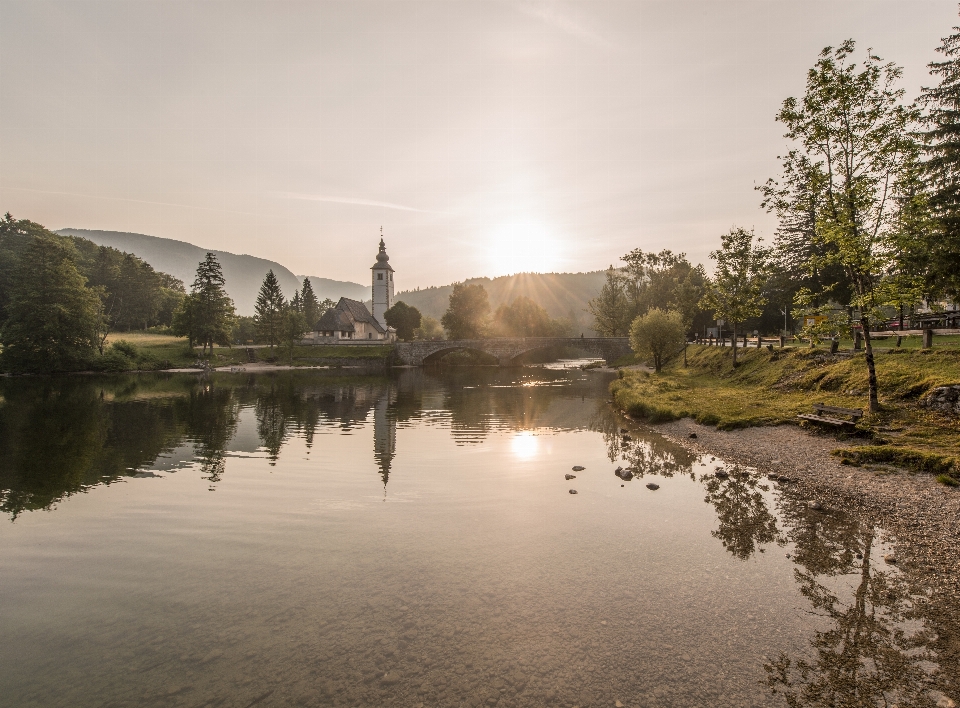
[[569, 476], [573, 491], [578, 468], [653, 486]]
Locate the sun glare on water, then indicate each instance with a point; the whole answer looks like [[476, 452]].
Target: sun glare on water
[[524, 445]]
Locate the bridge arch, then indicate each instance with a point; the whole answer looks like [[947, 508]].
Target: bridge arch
[[506, 350], [435, 356]]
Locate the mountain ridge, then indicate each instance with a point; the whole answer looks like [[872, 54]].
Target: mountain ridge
[[243, 273]]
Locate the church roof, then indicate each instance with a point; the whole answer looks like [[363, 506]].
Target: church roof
[[334, 320], [343, 316]]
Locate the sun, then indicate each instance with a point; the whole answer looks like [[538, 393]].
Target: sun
[[524, 445], [521, 247]]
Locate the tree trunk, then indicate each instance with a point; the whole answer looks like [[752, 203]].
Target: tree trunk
[[733, 340], [871, 366]]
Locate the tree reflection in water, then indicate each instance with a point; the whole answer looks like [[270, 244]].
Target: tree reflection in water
[[744, 522], [875, 650]]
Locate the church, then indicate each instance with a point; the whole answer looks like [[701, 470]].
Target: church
[[350, 320]]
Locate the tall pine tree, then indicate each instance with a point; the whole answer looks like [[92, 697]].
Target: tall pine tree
[[310, 306], [268, 312], [206, 315], [941, 254]]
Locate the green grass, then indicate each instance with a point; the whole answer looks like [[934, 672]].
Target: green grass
[[769, 388]]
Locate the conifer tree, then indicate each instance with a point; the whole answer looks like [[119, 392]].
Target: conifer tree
[[268, 311], [206, 315], [940, 255], [310, 306]]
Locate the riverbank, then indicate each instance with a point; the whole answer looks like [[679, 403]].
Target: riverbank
[[773, 387]]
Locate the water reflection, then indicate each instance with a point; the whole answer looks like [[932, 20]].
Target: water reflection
[[503, 588]]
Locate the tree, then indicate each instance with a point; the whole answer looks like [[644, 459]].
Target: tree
[[52, 315], [404, 318], [310, 306], [268, 311], [611, 309], [525, 318], [659, 334], [430, 328], [205, 316], [294, 327], [940, 260], [735, 293], [466, 316], [855, 157]]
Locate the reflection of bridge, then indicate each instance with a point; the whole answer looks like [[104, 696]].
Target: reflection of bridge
[[418, 353]]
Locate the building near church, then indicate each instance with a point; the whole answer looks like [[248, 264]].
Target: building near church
[[350, 320]]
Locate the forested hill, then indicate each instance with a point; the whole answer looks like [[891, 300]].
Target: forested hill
[[562, 295], [243, 274]]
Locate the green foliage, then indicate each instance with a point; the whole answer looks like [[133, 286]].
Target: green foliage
[[466, 315], [647, 280], [853, 172], [659, 334], [941, 253], [525, 318], [947, 480], [205, 316], [310, 306], [244, 331], [268, 311], [430, 328], [907, 458], [736, 291], [52, 315], [404, 319], [294, 327]]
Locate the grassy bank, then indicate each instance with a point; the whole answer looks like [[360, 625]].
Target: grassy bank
[[769, 388]]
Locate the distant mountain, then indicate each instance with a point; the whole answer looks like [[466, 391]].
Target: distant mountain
[[243, 274], [560, 294]]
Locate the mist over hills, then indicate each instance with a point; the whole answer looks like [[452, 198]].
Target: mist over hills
[[561, 294], [243, 273]]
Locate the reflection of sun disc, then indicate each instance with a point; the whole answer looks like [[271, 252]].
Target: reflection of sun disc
[[524, 445]]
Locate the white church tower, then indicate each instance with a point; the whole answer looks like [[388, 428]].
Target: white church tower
[[382, 285]]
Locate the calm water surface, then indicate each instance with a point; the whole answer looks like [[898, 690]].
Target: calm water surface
[[313, 539]]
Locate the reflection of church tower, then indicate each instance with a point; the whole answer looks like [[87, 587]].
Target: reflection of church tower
[[382, 285], [384, 435]]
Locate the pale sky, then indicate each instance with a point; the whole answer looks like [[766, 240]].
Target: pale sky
[[484, 137]]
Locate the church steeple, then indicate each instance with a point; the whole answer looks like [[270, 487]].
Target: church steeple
[[382, 277]]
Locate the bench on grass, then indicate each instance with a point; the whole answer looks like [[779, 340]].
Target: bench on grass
[[829, 415]]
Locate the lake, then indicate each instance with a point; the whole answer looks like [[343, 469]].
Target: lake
[[326, 539]]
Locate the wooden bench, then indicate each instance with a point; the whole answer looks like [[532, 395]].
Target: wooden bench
[[828, 414]]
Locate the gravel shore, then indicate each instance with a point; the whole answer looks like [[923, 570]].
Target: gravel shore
[[922, 514]]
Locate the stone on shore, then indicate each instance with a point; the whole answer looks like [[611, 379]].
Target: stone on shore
[[573, 491], [569, 476], [653, 485], [578, 468]]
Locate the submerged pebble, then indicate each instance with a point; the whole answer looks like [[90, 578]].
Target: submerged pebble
[[569, 476], [578, 468], [652, 485], [573, 491]]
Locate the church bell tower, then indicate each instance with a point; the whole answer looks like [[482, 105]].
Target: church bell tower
[[382, 285]]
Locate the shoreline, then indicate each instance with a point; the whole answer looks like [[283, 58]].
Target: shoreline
[[922, 515]]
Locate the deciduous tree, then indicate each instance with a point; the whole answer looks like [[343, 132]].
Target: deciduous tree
[[735, 293], [659, 334], [855, 158], [466, 316], [404, 318]]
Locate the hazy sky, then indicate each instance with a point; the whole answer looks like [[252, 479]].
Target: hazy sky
[[484, 137]]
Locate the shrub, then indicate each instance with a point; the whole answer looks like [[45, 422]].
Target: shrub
[[659, 333]]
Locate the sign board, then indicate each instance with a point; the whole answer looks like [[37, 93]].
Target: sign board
[[814, 320]]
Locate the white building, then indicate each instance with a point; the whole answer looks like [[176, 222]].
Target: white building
[[382, 277]]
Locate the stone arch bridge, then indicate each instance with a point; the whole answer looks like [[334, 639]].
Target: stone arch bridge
[[419, 353]]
